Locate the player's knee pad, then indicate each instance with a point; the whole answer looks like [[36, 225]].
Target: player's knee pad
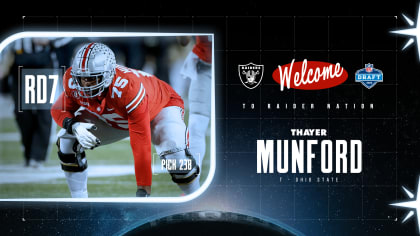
[[75, 161], [181, 165]]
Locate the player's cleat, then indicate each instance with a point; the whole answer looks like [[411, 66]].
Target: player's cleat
[[142, 193]]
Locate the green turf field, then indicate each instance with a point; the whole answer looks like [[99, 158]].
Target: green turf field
[[49, 182]]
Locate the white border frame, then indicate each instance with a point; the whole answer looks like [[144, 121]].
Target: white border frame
[[212, 170]]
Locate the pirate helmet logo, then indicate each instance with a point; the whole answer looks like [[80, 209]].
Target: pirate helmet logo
[[251, 74]]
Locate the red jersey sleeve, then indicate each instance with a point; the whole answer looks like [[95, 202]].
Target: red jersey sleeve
[[137, 108], [63, 108], [140, 141]]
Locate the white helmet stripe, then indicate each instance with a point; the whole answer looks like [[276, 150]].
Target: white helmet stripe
[[86, 55], [83, 53]]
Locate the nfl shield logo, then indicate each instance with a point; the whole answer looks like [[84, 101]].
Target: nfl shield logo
[[369, 76], [251, 74], [369, 67]]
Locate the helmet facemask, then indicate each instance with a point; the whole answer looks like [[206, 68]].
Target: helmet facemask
[[93, 69], [98, 81]]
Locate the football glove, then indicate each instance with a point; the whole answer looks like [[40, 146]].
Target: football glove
[[85, 138]]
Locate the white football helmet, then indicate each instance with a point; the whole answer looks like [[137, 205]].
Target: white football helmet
[[93, 61]]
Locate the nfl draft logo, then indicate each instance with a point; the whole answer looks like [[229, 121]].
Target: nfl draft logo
[[369, 76], [251, 74]]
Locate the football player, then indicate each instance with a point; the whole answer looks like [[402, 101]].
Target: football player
[[197, 67], [104, 102]]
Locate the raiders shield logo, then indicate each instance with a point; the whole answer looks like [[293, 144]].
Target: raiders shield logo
[[251, 74]]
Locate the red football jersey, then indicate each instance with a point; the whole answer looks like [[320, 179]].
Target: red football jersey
[[130, 103], [202, 48]]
